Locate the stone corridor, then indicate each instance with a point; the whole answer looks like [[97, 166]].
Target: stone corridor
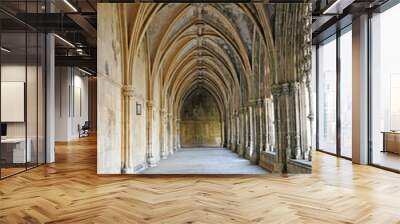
[[187, 75], [205, 161]]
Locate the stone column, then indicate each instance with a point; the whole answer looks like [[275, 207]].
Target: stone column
[[177, 134], [223, 140], [163, 133], [288, 104], [151, 162], [250, 146], [238, 132], [243, 135], [261, 123], [307, 73], [271, 125], [296, 152], [246, 133], [231, 132], [280, 92], [265, 121], [308, 154], [170, 134], [256, 135], [127, 97]]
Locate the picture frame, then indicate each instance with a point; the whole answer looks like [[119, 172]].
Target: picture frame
[[138, 108]]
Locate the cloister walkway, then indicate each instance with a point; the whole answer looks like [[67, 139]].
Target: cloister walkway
[[205, 161]]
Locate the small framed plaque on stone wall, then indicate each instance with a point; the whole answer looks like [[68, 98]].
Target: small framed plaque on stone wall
[[138, 108]]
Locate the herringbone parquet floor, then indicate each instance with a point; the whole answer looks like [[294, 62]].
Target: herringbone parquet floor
[[70, 191]]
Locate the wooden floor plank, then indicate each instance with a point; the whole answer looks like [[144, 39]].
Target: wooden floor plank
[[70, 191]]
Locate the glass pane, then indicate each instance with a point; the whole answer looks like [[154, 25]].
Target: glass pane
[[327, 96], [13, 89], [31, 98], [41, 98], [385, 86], [346, 94], [314, 95]]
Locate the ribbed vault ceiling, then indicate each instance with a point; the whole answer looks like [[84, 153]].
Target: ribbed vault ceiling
[[213, 46]]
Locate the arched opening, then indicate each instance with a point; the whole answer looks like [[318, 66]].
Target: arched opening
[[200, 124]]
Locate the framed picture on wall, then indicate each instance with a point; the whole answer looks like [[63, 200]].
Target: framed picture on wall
[[138, 108]]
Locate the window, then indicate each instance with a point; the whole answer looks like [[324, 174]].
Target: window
[[22, 77], [385, 87], [327, 96], [346, 93]]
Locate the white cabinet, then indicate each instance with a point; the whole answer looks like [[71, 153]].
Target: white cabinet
[[19, 155]]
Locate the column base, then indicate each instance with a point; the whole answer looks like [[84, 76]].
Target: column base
[[125, 170], [151, 162], [255, 158], [247, 153], [279, 168]]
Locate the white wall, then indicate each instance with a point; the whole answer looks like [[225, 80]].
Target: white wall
[[70, 84], [33, 127], [12, 73]]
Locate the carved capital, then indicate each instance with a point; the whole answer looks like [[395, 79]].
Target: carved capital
[[295, 86], [149, 105], [127, 90], [285, 88], [260, 102], [252, 103], [276, 90]]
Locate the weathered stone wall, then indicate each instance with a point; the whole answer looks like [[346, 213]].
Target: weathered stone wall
[[155, 147], [200, 121], [138, 126], [109, 84]]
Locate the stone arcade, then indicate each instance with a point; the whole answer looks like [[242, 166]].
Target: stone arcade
[[250, 63]]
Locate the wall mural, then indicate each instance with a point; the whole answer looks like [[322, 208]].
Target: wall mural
[[253, 60]]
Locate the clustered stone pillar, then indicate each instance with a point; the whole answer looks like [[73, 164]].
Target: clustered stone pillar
[[289, 104], [264, 127], [295, 105], [177, 144], [246, 134], [170, 135], [289, 87], [310, 119], [261, 124], [269, 125], [223, 132], [257, 132], [232, 132], [127, 94], [238, 132], [163, 133], [306, 70], [243, 135], [282, 140], [150, 158], [250, 145]]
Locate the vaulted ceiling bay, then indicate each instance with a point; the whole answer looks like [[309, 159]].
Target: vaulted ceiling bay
[[250, 63]]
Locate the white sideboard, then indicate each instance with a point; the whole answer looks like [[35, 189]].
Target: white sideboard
[[18, 146]]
